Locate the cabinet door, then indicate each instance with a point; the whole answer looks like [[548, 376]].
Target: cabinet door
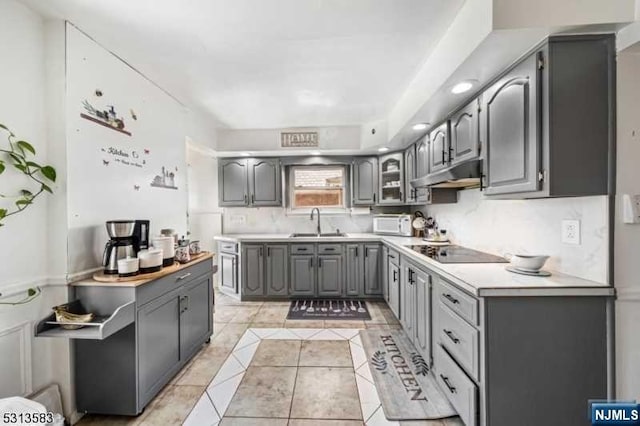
[[394, 289], [439, 148], [511, 114], [365, 180], [330, 275], [277, 270], [422, 291], [409, 174], [253, 270], [391, 172], [228, 272], [264, 182], [372, 270], [407, 299], [465, 139], [385, 273], [158, 344], [422, 157], [232, 182], [303, 275], [353, 269], [195, 315]]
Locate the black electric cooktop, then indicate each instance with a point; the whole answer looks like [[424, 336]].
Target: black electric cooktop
[[457, 254]]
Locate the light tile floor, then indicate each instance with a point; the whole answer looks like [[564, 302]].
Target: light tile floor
[[262, 369]]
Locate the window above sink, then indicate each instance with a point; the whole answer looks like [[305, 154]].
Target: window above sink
[[324, 187]]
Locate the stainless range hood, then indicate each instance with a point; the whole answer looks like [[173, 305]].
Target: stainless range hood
[[462, 175]]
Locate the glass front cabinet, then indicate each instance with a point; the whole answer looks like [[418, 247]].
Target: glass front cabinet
[[391, 174]]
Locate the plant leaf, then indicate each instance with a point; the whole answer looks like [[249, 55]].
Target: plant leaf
[[31, 292], [17, 158], [2, 126], [49, 172], [26, 193], [33, 164], [47, 188], [23, 145], [3, 213], [23, 202], [1, 167], [20, 167]]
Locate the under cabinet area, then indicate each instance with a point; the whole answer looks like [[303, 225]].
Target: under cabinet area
[[164, 322]]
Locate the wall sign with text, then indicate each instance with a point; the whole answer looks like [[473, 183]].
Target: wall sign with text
[[298, 139]]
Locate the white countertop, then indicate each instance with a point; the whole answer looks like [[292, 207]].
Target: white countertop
[[479, 279]]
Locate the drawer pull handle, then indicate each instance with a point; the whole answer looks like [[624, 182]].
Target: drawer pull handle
[[451, 298], [182, 277], [329, 248], [301, 249], [451, 336], [452, 389]]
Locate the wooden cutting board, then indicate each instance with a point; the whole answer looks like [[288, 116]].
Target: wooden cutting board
[[100, 276]]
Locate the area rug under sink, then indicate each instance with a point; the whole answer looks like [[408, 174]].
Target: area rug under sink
[[329, 309], [407, 389]]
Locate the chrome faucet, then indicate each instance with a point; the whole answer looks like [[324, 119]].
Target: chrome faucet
[[318, 210]]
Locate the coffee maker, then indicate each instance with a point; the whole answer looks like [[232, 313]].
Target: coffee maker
[[120, 245], [141, 235]]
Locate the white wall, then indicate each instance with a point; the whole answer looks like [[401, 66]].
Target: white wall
[[531, 227], [627, 237], [27, 363], [97, 191]]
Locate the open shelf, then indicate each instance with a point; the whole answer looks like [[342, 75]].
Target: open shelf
[[100, 328]]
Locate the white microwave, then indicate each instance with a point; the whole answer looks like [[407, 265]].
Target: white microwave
[[392, 224]]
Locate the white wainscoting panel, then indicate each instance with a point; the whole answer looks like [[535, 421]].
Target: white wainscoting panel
[[15, 352]]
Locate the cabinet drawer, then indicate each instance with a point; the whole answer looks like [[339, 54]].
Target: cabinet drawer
[[228, 247], [459, 389], [459, 302], [151, 290], [394, 257], [329, 249], [302, 249], [459, 338]]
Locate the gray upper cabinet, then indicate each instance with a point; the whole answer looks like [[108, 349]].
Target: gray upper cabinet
[[277, 270], [265, 188], [330, 275], [372, 270], [249, 182], [465, 141], [253, 270], [410, 173], [512, 130], [353, 270], [232, 182], [549, 132], [302, 278], [422, 168], [365, 180], [439, 148], [391, 172]]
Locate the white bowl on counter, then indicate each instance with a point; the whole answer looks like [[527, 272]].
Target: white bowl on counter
[[150, 260], [167, 245], [128, 267], [526, 262]]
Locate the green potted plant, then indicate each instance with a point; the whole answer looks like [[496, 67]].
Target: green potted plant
[[18, 155]]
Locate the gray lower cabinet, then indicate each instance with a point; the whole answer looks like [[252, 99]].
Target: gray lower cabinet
[[228, 271], [168, 320], [385, 273], [394, 289], [303, 275], [415, 315], [253, 270], [364, 180], [277, 269], [330, 273], [372, 269], [354, 267]]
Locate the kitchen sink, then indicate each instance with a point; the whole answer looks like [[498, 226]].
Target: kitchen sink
[[314, 235]]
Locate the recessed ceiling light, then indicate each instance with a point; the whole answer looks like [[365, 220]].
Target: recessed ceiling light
[[246, 154], [462, 87], [315, 152], [420, 126], [383, 149]]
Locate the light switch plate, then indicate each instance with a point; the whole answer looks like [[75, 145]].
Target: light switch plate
[[571, 231], [631, 208]]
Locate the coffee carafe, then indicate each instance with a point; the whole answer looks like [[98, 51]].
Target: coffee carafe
[[121, 244]]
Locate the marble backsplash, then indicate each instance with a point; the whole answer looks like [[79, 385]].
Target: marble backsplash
[[277, 220], [531, 227]]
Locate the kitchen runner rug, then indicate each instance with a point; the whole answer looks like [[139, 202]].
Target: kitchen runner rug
[[329, 309], [407, 389]]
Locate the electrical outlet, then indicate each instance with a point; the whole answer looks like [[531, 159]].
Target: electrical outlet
[[571, 231]]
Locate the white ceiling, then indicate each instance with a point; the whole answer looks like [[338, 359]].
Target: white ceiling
[[270, 63]]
